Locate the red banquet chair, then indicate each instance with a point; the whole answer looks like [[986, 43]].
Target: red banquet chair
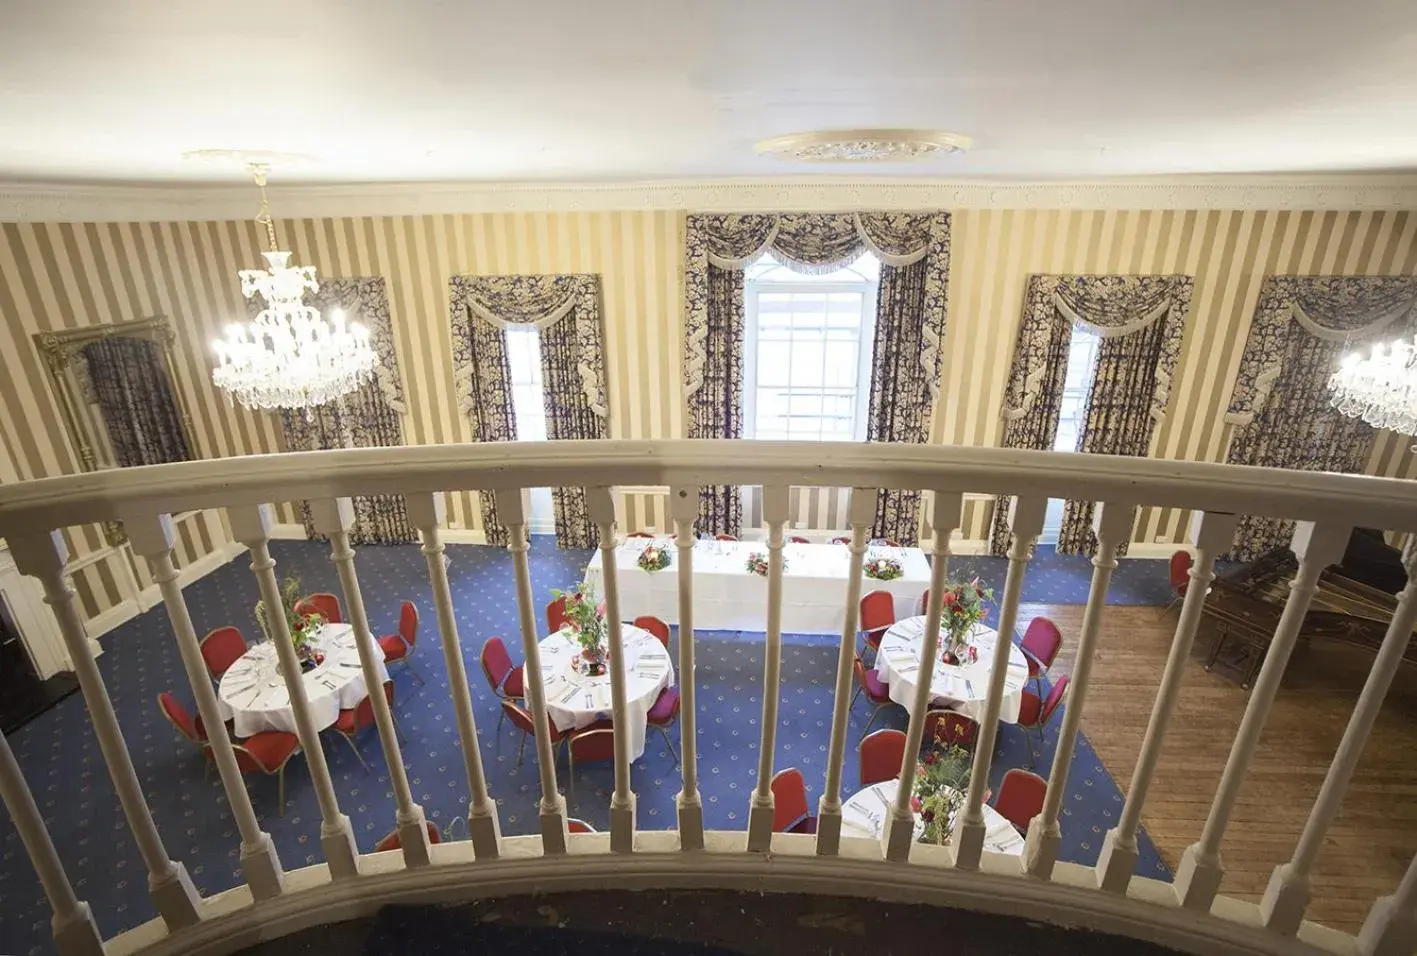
[[876, 691], [655, 626], [639, 534], [504, 678], [1021, 797], [1034, 714], [354, 720], [1040, 645], [950, 728], [725, 537], [268, 752], [881, 756], [578, 826], [795, 539], [556, 616], [877, 616], [398, 648], [324, 604], [392, 841], [790, 813], [841, 540], [522, 720], [1180, 572], [221, 648], [662, 716], [594, 744]]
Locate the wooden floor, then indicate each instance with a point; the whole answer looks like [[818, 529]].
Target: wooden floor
[[1375, 836]]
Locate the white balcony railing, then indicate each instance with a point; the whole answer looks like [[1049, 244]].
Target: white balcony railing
[[1188, 914]]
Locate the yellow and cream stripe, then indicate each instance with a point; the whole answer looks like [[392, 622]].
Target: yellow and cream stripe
[[66, 275]]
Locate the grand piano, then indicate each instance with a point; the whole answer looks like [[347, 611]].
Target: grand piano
[[1353, 604]]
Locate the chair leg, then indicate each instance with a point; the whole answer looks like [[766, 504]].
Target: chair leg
[[398, 729], [280, 778], [570, 777], [521, 751], [855, 697], [409, 665], [501, 716], [668, 743], [1032, 754], [874, 714], [350, 740]]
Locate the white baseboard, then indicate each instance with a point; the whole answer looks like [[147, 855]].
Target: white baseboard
[[151, 596]]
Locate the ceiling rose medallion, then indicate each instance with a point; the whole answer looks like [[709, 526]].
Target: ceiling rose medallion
[[864, 145]]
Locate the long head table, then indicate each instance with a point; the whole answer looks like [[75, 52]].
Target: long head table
[[727, 597]]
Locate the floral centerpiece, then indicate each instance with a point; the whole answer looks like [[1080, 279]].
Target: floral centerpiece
[[965, 605], [883, 568], [586, 620], [757, 563], [941, 786], [303, 627], [654, 557]]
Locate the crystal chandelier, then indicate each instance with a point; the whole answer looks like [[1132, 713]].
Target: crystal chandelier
[[1381, 387], [289, 356]]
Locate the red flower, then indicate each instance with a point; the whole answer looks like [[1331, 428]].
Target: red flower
[[950, 599]]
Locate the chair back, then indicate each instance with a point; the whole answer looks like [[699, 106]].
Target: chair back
[[877, 611], [795, 539], [1180, 571], [841, 540], [922, 607], [519, 716], [1020, 797], [725, 537], [870, 683], [324, 604], [951, 728], [1054, 701], [221, 648], [391, 840], [882, 755], [556, 615], [496, 662], [588, 745], [885, 542], [408, 623], [364, 710], [578, 826], [789, 796], [181, 718], [655, 626], [639, 534], [1042, 641]]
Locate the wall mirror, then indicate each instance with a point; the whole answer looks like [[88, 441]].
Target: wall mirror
[[116, 387]]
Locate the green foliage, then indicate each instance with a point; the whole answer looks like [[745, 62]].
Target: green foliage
[[299, 625], [941, 786]]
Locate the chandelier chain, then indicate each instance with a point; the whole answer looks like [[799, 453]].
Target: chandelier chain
[[259, 171]]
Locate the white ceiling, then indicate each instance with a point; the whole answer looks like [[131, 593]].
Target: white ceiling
[[589, 90]]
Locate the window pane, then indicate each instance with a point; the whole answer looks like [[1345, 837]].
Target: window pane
[[807, 360], [774, 358], [841, 363]]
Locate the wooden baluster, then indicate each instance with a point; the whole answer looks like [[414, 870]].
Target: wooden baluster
[[334, 517], [861, 511], [43, 556], [553, 806], [601, 508], [425, 512], [1119, 856], [1391, 926], [1316, 546], [1287, 895], [152, 537], [1112, 525], [760, 810], [75, 933], [1026, 523], [684, 510], [900, 824], [251, 525]]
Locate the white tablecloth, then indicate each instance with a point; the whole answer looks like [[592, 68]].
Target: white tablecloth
[[729, 598], [959, 687], [576, 700], [255, 696], [864, 815]]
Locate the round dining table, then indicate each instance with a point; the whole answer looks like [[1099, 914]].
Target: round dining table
[[864, 814], [959, 687], [576, 700], [254, 697]]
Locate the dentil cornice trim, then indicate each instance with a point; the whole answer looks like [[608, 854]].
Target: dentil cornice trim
[[41, 202]]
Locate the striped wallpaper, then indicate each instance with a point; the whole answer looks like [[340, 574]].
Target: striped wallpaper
[[63, 275]]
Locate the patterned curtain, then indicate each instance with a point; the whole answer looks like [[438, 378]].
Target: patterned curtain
[[572, 369], [1140, 320], [369, 417], [1280, 405], [911, 311], [135, 399]]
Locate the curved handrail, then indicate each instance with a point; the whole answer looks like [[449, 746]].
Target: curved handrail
[[1204, 486]]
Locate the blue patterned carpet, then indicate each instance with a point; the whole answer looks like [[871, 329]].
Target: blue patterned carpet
[[62, 764]]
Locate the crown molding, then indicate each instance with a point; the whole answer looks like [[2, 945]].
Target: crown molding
[[41, 202]]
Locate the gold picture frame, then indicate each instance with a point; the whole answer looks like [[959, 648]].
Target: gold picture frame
[[86, 431]]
